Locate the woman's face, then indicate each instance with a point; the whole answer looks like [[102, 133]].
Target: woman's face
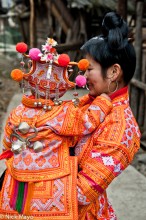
[[95, 81]]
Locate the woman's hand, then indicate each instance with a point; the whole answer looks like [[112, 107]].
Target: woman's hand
[[106, 96]]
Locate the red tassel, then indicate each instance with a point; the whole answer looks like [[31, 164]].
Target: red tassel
[[6, 154]]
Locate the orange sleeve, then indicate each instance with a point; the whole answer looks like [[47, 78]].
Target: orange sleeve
[[108, 154], [80, 121]]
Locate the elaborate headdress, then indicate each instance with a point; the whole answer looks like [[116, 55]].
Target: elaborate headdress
[[48, 76]]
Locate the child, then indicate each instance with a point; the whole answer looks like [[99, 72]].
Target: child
[[40, 181]]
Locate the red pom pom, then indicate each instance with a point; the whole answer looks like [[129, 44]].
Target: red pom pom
[[80, 80], [17, 75], [21, 47], [34, 54], [63, 60]]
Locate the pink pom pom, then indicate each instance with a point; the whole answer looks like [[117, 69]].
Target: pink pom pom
[[33, 53], [80, 80]]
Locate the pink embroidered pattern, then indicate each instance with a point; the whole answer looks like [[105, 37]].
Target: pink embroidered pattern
[[130, 129]]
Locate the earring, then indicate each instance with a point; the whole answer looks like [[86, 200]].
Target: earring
[[75, 100], [109, 90], [47, 106], [22, 83], [69, 70], [87, 87], [49, 71], [56, 99], [37, 96]]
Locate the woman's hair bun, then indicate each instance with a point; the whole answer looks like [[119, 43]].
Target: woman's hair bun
[[115, 29], [111, 21]]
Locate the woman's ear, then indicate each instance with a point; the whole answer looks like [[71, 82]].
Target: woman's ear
[[114, 72]]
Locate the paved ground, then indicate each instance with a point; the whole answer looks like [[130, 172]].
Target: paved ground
[[127, 193]]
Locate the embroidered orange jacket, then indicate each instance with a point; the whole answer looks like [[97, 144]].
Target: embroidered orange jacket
[[103, 155], [43, 185]]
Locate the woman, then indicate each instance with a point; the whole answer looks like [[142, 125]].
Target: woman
[[102, 129], [103, 155], [107, 151]]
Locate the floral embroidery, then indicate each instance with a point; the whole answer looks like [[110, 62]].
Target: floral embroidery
[[108, 160], [130, 128], [27, 160], [18, 158], [40, 161], [53, 161]]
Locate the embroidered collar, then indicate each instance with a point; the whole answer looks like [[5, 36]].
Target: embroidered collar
[[113, 95], [119, 92]]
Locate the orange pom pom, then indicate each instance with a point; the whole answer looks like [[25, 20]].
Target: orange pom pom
[[83, 64], [17, 75]]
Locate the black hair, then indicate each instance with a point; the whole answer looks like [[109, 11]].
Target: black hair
[[112, 46]]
